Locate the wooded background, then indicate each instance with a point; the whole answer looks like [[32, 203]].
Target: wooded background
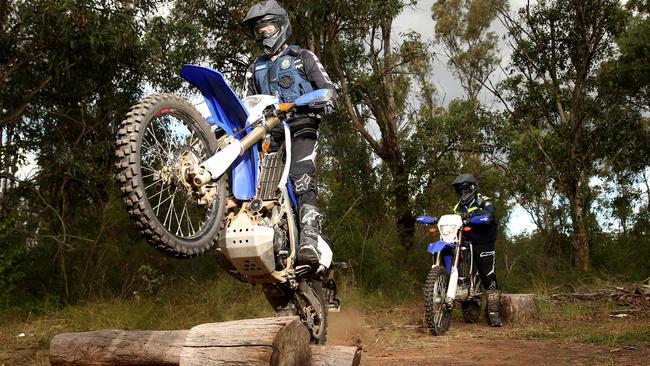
[[565, 136]]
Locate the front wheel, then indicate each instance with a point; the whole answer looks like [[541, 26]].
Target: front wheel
[[158, 140], [437, 314]]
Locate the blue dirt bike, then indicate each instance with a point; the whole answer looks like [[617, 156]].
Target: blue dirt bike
[[191, 185], [453, 276]]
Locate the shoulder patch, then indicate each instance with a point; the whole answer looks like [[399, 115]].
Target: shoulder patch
[[260, 67], [285, 63]]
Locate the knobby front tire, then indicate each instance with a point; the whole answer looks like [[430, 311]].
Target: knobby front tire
[[437, 315], [157, 136]]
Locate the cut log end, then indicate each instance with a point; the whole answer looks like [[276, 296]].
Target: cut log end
[[268, 341], [335, 355], [518, 308]]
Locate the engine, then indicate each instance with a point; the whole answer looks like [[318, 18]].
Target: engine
[[249, 246]]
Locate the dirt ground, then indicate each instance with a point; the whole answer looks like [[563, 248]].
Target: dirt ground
[[397, 338]]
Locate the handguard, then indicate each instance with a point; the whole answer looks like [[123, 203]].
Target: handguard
[[480, 220]]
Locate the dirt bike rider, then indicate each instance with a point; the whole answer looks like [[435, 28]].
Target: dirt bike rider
[[483, 236], [289, 72]]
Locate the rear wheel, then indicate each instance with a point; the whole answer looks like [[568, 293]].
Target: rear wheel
[[314, 309], [437, 314], [308, 302], [159, 139], [471, 307], [471, 310]]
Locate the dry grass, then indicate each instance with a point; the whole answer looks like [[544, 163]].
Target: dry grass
[[377, 321]]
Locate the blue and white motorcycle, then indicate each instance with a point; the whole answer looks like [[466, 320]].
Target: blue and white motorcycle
[[453, 277], [192, 184]]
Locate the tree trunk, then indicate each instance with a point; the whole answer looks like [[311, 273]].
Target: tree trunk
[[405, 218], [267, 341], [581, 259], [518, 307]]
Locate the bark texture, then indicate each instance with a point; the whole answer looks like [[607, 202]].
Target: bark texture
[[335, 355], [518, 307]]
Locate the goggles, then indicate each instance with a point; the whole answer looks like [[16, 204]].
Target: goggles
[[265, 30], [463, 190]]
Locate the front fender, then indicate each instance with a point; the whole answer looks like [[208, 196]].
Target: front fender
[[439, 246], [228, 112]]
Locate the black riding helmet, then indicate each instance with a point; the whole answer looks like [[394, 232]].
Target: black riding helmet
[[270, 25], [466, 188]]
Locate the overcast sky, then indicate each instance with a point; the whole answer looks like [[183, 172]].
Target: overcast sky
[[418, 19]]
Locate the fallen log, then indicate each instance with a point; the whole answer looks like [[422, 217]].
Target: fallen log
[[635, 295], [266, 341], [335, 355], [117, 347], [518, 307]]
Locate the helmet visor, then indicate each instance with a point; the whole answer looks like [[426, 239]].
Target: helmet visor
[[264, 30], [464, 192]]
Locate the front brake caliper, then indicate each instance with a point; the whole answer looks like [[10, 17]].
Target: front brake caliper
[[204, 193]]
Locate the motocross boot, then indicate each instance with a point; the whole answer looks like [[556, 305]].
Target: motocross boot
[[309, 230], [494, 308]]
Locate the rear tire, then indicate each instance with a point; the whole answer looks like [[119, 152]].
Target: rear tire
[[471, 310], [437, 314], [157, 136], [320, 294], [471, 307], [286, 302]]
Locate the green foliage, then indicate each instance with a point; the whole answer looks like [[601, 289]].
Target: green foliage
[[200, 32], [462, 27], [71, 69], [12, 252], [565, 128], [625, 253]]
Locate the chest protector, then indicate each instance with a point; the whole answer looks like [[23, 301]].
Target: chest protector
[[281, 77]]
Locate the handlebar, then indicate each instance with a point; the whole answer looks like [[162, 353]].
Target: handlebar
[[475, 220]]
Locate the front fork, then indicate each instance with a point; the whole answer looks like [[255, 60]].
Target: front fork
[[453, 274]]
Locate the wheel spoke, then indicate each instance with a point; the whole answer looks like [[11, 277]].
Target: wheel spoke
[[153, 134], [149, 175], [190, 226], [147, 168], [168, 215], [153, 183], [166, 140], [160, 202], [157, 208], [179, 228]]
